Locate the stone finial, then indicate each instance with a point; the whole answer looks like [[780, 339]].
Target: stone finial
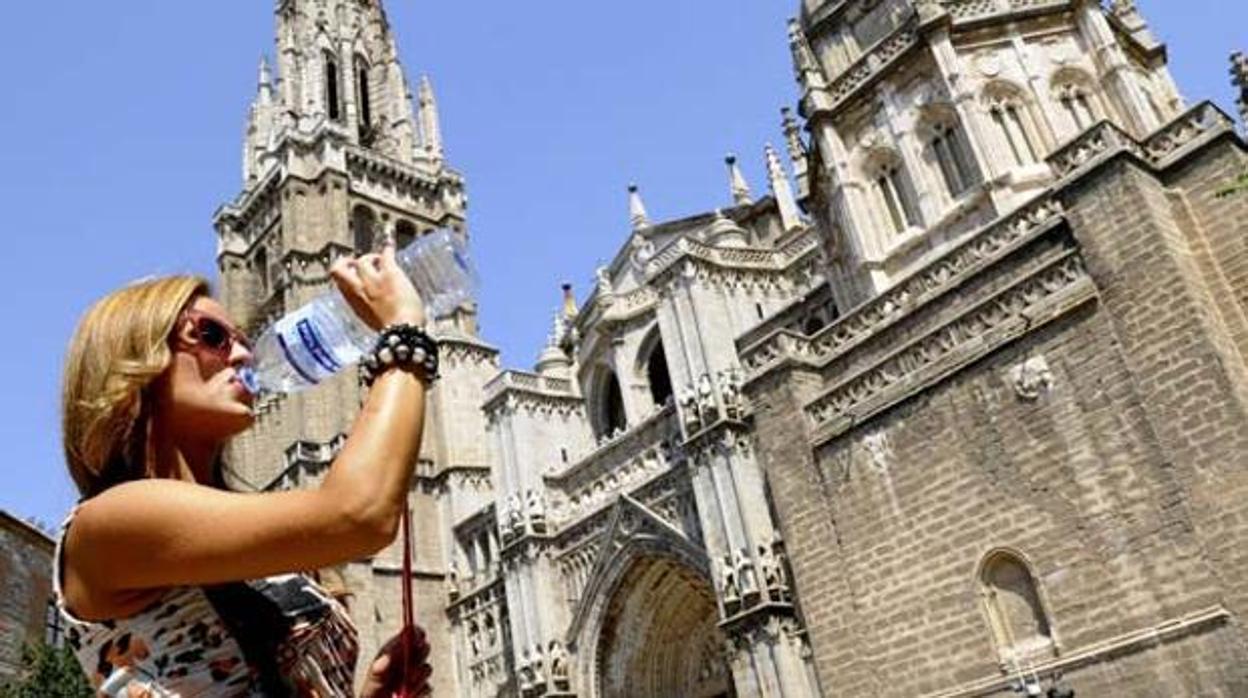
[[430, 126], [778, 181], [266, 75], [569, 302], [1239, 77], [736, 182], [792, 137], [809, 74], [636, 209]]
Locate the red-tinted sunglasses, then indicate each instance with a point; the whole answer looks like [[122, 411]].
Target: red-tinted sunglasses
[[214, 334]]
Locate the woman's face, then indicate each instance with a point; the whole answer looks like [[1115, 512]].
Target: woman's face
[[201, 393]]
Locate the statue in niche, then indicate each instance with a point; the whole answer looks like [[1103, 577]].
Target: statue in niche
[[689, 409], [707, 409], [527, 676], [452, 581], [731, 592], [515, 520], [491, 631], [773, 573], [537, 511], [558, 665], [474, 639], [745, 574], [730, 392], [539, 679]]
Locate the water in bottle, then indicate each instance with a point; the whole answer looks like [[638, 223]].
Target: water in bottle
[[324, 336]]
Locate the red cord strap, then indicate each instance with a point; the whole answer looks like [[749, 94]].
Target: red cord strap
[[408, 633]]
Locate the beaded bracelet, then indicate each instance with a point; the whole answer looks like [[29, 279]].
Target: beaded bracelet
[[401, 345]]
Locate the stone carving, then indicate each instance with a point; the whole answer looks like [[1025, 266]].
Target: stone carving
[[809, 74], [730, 392], [871, 63], [514, 516], [528, 677], [474, 639], [707, 408], [1031, 378], [746, 577], [730, 592], [773, 573], [940, 276], [1015, 307], [604, 282], [690, 417], [535, 505], [558, 665], [452, 581]]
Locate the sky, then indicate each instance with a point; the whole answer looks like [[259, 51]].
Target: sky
[[124, 127]]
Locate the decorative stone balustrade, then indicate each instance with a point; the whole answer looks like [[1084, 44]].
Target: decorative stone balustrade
[[1028, 303], [978, 252]]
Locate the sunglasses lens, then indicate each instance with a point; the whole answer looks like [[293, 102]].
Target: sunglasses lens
[[212, 334]]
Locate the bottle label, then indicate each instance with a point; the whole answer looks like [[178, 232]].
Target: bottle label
[[306, 350]]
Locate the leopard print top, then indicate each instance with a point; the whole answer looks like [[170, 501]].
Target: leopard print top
[[274, 637]]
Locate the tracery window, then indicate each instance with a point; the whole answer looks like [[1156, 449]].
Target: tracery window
[[952, 155], [1009, 114], [1077, 98], [893, 191]]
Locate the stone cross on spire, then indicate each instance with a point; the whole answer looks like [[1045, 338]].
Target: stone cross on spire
[[636, 209], [740, 188], [1239, 77]]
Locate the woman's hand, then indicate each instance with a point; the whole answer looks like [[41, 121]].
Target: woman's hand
[[378, 290], [385, 676]]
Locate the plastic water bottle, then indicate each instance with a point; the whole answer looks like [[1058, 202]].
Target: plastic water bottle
[[325, 336]]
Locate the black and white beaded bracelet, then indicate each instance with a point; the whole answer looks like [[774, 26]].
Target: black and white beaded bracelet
[[401, 345]]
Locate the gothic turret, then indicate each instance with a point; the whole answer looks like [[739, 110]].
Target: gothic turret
[[928, 119], [736, 182]]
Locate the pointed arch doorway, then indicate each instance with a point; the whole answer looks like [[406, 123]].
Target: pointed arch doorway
[[660, 636]]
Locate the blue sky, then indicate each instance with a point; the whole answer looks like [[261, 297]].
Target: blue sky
[[124, 123]]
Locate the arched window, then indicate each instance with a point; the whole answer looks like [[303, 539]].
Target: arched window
[[893, 191], [658, 377], [404, 234], [333, 98], [1015, 610], [363, 229], [1009, 114], [1077, 98], [609, 417], [949, 149], [364, 102]]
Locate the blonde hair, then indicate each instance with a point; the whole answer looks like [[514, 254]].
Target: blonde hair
[[121, 346]]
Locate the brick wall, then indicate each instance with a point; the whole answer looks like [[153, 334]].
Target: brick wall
[[25, 587], [1122, 485]]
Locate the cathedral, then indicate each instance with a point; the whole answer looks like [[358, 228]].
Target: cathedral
[[956, 406]]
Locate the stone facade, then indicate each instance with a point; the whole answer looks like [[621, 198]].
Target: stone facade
[[961, 414], [25, 592]]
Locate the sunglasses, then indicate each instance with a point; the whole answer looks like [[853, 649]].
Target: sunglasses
[[214, 334]]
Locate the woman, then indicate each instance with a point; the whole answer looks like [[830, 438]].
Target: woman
[[151, 565]]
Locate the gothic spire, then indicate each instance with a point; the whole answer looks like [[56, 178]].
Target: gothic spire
[[795, 147], [809, 74], [636, 209], [736, 181], [1239, 77], [778, 181], [430, 127], [266, 80]]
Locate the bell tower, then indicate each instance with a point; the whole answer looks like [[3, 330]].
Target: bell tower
[[339, 153]]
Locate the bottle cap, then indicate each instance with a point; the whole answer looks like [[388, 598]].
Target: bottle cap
[[247, 375]]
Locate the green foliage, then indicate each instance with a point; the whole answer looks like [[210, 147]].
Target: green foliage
[[49, 673], [1239, 186]]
